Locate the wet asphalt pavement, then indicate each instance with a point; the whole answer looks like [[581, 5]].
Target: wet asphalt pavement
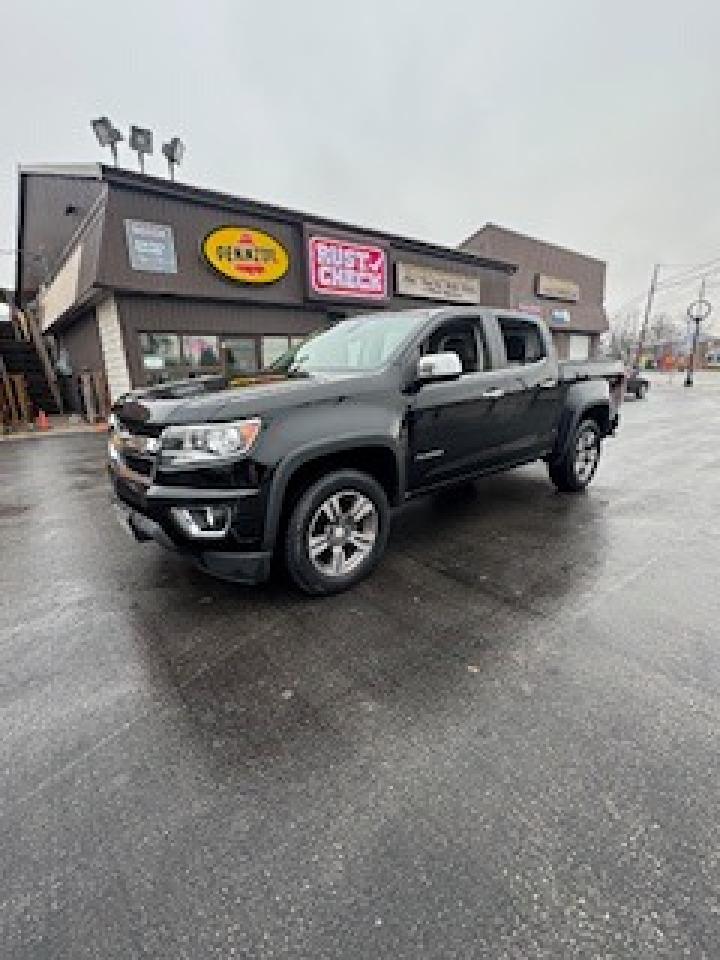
[[503, 745]]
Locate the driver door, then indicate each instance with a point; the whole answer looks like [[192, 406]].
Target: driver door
[[451, 425]]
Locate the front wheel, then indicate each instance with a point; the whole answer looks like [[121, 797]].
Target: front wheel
[[641, 391], [574, 471], [337, 532]]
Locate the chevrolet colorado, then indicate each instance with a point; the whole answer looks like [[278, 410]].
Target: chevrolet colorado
[[369, 413]]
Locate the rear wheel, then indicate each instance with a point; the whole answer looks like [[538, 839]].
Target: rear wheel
[[337, 532], [574, 471]]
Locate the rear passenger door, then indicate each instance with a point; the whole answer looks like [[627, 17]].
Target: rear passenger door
[[534, 393]]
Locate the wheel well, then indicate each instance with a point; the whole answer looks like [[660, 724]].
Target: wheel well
[[379, 462], [600, 413]]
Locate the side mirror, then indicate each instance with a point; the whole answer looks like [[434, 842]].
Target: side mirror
[[438, 366]]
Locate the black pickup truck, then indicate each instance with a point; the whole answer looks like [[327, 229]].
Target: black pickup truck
[[369, 413]]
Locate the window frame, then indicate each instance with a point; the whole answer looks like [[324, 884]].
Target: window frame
[[185, 369], [252, 337], [482, 346], [200, 369], [528, 323]]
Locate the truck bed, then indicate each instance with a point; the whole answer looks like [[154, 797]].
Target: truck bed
[[591, 370]]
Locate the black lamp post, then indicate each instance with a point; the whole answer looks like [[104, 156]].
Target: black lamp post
[[698, 311]]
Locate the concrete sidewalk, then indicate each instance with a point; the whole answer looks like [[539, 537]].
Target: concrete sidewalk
[[62, 425]]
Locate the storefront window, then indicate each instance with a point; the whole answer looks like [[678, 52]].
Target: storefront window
[[272, 348], [200, 351], [240, 355], [160, 350]]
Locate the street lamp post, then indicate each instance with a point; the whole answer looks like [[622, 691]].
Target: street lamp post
[[698, 311]]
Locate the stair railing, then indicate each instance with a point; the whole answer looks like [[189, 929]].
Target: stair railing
[[30, 325]]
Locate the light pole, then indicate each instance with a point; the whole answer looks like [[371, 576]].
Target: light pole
[[107, 135], [141, 141], [173, 151], [698, 311]]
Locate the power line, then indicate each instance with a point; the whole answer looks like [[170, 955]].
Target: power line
[[681, 266]]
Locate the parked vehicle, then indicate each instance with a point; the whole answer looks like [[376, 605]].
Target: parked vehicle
[[376, 410], [636, 383]]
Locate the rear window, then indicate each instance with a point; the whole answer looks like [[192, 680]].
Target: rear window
[[523, 341]]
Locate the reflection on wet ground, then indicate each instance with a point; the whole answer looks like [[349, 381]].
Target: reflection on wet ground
[[489, 746]]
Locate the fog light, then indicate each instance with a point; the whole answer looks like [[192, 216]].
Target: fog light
[[210, 523]]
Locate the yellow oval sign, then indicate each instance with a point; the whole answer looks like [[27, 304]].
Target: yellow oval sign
[[245, 255]]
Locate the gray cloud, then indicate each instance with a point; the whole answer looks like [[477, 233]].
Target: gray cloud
[[589, 124]]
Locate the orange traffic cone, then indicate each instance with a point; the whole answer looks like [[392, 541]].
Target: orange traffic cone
[[41, 421]]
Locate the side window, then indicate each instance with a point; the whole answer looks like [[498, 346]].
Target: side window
[[463, 337], [523, 341]]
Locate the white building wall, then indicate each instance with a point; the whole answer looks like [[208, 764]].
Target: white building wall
[[61, 294], [113, 348]]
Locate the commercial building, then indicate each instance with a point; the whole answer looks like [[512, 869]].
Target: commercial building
[[564, 287], [141, 279], [148, 279]]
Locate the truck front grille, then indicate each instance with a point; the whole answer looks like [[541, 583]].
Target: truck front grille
[[140, 429], [141, 465]]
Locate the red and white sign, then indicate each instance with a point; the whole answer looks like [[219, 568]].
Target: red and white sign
[[339, 268]]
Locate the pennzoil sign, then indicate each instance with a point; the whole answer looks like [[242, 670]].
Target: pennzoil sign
[[245, 255]]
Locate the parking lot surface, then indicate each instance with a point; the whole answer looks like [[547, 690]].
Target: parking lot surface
[[502, 745]]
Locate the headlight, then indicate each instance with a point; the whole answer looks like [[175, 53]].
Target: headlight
[[207, 442], [112, 421]]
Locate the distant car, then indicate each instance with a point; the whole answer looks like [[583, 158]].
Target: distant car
[[636, 384]]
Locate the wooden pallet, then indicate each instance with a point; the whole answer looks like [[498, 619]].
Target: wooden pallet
[[15, 408]]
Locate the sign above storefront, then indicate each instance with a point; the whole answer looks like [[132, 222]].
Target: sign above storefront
[[534, 309], [340, 268], [429, 283], [151, 246], [245, 255], [560, 316], [556, 289]]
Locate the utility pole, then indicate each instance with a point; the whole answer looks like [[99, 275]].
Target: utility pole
[[697, 312], [648, 309]]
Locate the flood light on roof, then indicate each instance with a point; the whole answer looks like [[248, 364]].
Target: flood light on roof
[[174, 151], [107, 135], [141, 141]]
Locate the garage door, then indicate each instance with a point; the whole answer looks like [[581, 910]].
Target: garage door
[[579, 347]]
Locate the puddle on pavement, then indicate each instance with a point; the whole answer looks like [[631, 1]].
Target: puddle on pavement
[[10, 510]]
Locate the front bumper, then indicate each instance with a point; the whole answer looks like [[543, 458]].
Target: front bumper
[[143, 510]]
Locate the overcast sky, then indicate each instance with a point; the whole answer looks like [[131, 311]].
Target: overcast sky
[[589, 123]]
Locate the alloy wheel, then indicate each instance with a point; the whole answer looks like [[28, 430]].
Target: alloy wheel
[[342, 533], [586, 454]]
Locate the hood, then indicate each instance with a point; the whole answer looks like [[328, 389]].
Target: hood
[[245, 397]]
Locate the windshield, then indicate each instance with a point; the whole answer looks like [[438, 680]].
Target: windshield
[[362, 343]]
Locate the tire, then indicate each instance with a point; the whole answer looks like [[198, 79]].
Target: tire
[[327, 549], [641, 391], [575, 470]]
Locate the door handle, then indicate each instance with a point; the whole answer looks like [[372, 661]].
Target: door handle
[[493, 394], [548, 384]]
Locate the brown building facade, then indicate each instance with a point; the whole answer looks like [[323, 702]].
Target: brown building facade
[[565, 288], [149, 280]]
